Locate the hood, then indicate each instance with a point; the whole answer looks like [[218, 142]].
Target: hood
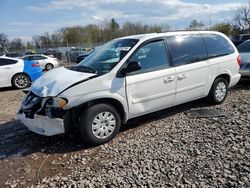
[[56, 80]]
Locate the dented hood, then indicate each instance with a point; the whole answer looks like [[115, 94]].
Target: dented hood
[[55, 81]]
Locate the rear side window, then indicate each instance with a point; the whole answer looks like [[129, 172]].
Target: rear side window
[[217, 45], [39, 57], [186, 49], [7, 61], [27, 58], [244, 47]]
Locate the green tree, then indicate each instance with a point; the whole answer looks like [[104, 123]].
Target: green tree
[[114, 28], [225, 28]]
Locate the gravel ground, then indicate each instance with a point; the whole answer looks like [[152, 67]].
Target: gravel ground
[[163, 149]]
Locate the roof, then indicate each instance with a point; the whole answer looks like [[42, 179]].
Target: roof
[[12, 58], [154, 35]]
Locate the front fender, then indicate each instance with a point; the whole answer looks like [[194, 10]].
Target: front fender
[[76, 101]]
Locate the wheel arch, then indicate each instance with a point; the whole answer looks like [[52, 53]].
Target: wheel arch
[[107, 100], [226, 76], [18, 74]]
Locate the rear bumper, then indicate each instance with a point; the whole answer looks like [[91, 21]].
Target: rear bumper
[[234, 80], [42, 124], [244, 72]]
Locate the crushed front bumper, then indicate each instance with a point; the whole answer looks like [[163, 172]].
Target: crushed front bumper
[[42, 124], [32, 114]]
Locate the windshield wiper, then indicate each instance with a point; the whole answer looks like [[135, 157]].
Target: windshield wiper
[[81, 68], [87, 69]]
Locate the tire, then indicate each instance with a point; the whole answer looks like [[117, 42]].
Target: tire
[[218, 91], [99, 124], [21, 81], [49, 66]]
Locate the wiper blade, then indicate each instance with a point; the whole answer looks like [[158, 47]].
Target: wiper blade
[[87, 68], [81, 68]]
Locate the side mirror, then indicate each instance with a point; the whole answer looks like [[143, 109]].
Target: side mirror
[[131, 67]]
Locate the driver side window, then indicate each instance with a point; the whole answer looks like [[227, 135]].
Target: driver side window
[[152, 56]]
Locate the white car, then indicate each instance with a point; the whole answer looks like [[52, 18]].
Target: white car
[[44, 61], [128, 77], [18, 73]]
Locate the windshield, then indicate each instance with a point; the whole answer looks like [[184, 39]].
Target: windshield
[[103, 59]]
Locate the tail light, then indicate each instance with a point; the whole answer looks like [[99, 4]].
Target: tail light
[[238, 59], [35, 65]]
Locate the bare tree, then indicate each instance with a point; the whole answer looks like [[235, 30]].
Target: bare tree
[[196, 25], [16, 44], [241, 20], [3, 42]]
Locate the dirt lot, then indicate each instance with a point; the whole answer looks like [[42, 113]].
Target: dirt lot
[[162, 149]]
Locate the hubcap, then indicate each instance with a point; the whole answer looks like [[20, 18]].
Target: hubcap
[[220, 91], [21, 81], [49, 67], [103, 125]]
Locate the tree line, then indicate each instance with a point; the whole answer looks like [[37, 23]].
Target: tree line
[[92, 34]]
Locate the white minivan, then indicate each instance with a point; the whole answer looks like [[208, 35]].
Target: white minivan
[[128, 77]]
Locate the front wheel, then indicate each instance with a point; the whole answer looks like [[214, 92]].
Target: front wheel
[[21, 81], [99, 124], [219, 90]]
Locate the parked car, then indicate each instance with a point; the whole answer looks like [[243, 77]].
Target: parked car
[[83, 56], [144, 74], [18, 73], [55, 53], [73, 55], [44, 61], [244, 50], [240, 38], [13, 54]]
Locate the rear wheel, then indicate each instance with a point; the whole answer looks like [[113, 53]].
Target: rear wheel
[[21, 81], [49, 66], [99, 124], [219, 90]]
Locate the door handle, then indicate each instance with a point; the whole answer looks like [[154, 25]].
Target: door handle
[[169, 79], [182, 76], [7, 68]]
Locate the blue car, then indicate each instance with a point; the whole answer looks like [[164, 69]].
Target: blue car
[[18, 73], [244, 50]]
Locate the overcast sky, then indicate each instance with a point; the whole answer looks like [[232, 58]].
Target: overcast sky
[[25, 18]]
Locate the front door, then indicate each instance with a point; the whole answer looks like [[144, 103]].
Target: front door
[[153, 86], [7, 68]]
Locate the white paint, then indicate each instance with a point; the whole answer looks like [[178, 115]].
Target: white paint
[[43, 125], [56, 80], [140, 93], [8, 71], [43, 61]]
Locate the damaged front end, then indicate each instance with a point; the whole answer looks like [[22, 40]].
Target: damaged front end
[[42, 110], [43, 115]]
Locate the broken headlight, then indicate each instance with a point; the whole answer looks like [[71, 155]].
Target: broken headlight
[[56, 102]]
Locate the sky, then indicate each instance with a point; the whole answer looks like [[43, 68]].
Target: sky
[[25, 18]]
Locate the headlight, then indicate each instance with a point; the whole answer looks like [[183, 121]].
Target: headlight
[[57, 102]]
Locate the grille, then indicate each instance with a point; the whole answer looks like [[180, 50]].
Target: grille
[[32, 98]]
